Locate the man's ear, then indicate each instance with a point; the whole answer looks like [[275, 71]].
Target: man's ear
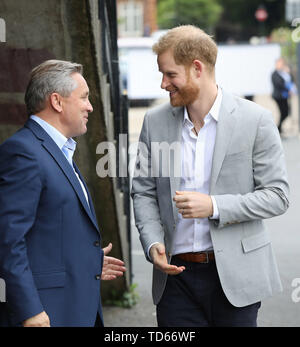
[[56, 102], [198, 67]]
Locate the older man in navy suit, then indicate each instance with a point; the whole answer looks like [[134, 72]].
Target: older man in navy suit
[[50, 244]]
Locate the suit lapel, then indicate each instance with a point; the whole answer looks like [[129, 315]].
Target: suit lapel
[[91, 207], [174, 135], [225, 128], [63, 163]]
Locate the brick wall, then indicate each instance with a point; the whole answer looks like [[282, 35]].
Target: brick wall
[[150, 21]]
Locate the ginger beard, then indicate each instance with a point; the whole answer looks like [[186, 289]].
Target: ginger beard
[[185, 95]]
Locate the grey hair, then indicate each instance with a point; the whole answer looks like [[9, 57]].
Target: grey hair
[[52, 76]]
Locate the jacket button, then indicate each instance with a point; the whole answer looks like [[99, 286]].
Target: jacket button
[[97, 277], [97, 243]]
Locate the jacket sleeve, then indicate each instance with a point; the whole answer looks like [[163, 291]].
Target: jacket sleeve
[[270, 196], [144, 195], [20, 189]]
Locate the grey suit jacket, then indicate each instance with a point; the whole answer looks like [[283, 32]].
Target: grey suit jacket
[[248, 181]]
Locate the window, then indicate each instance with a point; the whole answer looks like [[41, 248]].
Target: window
[[130, 18]]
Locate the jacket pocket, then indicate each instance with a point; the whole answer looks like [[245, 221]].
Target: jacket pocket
[[50, 280], [238, 156], [256, 241]]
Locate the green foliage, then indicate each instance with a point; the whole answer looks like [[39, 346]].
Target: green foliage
[[202, 13], [125, 300], [242, 12], [224, 18], [283, 36]]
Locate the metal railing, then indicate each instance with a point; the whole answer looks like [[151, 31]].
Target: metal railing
[[119, 102]]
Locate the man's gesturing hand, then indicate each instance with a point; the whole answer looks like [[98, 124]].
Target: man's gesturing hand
[[112, 267], [159, 258], [193, 204], [40, 320]]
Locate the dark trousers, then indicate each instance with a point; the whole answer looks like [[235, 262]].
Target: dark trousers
[[195, 299], [283, 106]]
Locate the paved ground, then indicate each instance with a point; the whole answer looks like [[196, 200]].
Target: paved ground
[[279, 310]]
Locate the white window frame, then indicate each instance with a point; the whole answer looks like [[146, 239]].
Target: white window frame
[[131, 18]]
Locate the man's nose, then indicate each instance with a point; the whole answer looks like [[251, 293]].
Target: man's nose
[[90, 107], [164, 82]]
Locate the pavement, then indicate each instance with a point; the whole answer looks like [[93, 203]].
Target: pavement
[[281, 310]]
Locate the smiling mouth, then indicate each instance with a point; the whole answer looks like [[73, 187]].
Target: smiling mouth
[[172, 92]]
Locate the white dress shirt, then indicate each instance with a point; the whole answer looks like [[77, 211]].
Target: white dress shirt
[[193, 235]]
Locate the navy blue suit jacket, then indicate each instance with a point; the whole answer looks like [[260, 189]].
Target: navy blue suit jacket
[[50, 253]]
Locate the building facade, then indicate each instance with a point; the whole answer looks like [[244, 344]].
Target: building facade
[[136, 18]]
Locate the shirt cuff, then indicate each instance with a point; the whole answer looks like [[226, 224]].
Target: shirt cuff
[[216, 214]]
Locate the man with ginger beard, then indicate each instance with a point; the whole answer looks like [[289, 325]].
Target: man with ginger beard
[[203, 231]]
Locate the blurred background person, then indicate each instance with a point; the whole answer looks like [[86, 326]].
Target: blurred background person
[[283, 87]]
